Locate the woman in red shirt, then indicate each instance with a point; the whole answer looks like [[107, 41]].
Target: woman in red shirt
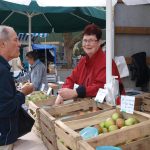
[[90, 73]]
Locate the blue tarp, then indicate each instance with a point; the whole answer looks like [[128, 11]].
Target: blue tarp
[[45, 47]]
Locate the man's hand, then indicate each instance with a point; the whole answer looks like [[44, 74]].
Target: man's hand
[[66, 93], [27, 89], [59, 100]]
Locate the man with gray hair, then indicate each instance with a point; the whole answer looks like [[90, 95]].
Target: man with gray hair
[[11, 100]]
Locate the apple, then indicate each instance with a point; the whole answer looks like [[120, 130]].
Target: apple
[[129, 121], [112, 128], [135, 121], [109, 122], [120, 122], [104, 130], [102, 124], [115, 116]]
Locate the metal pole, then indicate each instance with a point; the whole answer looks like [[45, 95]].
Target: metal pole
[[113, 33], [45, 56], [30, 19], [108, 41]]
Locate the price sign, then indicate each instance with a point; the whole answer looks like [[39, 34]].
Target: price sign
[[101, 94], [49, 91], [127, 104]]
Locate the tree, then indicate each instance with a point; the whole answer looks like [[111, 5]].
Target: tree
[[69, 42]]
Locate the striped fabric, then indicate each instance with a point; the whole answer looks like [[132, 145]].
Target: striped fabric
[[34, 36]]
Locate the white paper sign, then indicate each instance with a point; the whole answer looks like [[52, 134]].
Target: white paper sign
[[75, 86], [127, 104], [49, 91], [42, 87], [101, 94]]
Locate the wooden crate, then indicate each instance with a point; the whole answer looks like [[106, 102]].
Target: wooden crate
[[64, 113], [33, 110], [146, 103], [68, 137], [138, 102]]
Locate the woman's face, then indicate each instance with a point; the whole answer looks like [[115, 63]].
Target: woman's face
[[30, 60], [90, 44]]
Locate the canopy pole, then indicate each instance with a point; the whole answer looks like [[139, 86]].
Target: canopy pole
[[45, 56], [113, 33], [109, 44], [30, 19]]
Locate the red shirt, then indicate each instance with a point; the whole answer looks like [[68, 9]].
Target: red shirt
[[91, 73]]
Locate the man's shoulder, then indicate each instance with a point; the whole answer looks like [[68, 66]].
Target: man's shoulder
[[2, 67]]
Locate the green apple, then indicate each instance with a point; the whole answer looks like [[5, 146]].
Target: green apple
[[112, 128], [109, 122], [104, 130], [129, 121], [102, 124], [115, 116]]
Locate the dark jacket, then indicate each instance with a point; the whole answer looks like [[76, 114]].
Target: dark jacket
[[10, 102], [140, 70]]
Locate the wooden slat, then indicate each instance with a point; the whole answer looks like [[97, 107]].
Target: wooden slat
[[48, 145], [47, 119], [132, 30], [66, 129], [85, 115], [123, 135], [51, 136], [69, 139], [84, 146], [141, 144], [64, 109], [82, 123], [146, 101], [146, 108], [61, 146]]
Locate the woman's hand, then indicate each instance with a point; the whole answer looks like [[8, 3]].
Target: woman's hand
[[67, 93], [59, 100]]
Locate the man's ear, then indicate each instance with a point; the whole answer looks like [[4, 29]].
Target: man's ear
[[2, 44]]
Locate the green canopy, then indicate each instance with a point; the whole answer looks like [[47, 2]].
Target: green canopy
[[48, 19]]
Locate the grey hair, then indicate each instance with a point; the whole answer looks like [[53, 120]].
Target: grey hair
[[4, 32]]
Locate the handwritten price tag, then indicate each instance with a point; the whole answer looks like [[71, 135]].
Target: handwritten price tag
[[42, 87], [127, 104], [101, 94], [49, 91]]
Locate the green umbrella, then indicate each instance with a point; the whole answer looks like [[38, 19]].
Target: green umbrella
[[46, 19], [32, 17]]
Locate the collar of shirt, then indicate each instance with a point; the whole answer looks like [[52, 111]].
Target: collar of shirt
[[5, 62], [35, 63]]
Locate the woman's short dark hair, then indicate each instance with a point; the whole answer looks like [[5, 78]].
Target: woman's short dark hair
[[93, 29], [32, 54]]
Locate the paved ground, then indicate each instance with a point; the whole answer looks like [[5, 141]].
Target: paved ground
[[29, 142]]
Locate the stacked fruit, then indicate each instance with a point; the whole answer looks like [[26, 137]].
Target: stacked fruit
[[115, 122], [37, 96]]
